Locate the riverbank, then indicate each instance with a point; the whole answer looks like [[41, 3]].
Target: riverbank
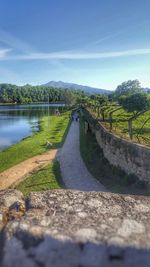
[[36, 144], [18, 173]]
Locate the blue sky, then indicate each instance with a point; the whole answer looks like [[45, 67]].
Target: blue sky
[[99, 43]]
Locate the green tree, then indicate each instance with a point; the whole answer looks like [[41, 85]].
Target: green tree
[[134, 103], [137, 104], [100, 101], [128, 88]]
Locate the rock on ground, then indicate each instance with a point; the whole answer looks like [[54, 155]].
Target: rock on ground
[[74, 229]]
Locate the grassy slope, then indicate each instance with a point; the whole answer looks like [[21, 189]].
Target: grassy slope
[[113, 178], [45, 179], [36, 144]]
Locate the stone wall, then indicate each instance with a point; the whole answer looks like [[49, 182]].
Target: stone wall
[[68, 228], [130, 157]]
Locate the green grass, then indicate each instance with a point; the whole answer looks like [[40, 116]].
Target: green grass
[[115, 179], [36, 144], [47, 178]]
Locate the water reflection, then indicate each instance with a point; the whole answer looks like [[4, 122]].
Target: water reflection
[[20, 121]]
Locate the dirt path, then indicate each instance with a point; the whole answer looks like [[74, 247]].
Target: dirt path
[[19, 171], [74, 172]]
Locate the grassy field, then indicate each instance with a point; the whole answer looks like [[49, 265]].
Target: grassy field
[[112, 177], [120, 125], [46, 178], [36, 144]]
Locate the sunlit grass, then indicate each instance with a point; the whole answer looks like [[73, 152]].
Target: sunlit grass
[[47, 178]]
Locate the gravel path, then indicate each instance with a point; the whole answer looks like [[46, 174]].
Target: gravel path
[[74, 172]]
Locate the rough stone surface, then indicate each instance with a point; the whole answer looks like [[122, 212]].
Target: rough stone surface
[[10, 200], [74, 229], [130, 157]]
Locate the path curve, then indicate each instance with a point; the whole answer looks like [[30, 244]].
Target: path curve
[[73, 170], [18, 172]]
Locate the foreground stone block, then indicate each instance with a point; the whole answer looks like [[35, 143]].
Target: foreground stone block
[[10, 203], [80, 229]]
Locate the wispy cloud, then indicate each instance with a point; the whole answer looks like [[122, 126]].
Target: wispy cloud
[[4, 53], [18, 50], [105, 38], [73, 55], [17, 44]]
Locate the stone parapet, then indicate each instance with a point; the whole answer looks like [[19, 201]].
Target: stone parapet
[[72, 228]]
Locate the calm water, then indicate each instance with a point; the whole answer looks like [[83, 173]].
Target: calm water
[[20, 121]]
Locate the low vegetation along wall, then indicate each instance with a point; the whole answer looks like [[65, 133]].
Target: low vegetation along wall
[[132, 158]]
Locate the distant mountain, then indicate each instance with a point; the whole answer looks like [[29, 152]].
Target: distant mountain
[[86, 89]]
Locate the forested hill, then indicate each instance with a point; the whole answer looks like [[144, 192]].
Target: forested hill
[[32, 94]]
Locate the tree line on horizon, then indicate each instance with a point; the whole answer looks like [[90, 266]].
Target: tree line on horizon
[[28, 94]]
